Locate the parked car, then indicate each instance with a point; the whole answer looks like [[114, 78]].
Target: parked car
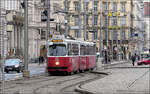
[[145, 56], [14, 65], [144, 62]]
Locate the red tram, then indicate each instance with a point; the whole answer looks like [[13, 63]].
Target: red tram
[[66, 55]]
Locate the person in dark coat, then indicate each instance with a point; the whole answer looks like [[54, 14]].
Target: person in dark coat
[[133, 59], [41, 60]]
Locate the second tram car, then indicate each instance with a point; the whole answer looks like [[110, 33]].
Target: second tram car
[[66, 55]]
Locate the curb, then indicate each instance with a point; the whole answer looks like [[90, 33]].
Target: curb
[[114, 64], [105, 73], [132, 67], [85, 91]]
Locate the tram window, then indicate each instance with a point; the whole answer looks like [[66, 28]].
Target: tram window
[[83, 50], [73, 49], [69, 49], [91, 50], [88, 50], [57, 50]]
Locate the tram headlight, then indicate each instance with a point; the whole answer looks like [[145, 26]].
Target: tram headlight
[[57, 63]]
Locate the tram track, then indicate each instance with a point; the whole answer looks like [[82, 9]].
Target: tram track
[[67, 89], [62, 82], [53, 80]]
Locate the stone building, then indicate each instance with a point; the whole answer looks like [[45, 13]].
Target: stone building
[[94, 23], [138, 30], [14, 12]]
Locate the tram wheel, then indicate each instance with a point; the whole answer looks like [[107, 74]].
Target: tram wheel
[[81, 71], [50, 73], [70, 73], [78, 71]]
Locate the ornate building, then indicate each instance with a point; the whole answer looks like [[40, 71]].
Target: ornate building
[[106, 22]]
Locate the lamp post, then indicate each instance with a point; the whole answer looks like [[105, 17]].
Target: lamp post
[[26, 72], [100, 34], [107, 37], [3, 53], [48, 19]]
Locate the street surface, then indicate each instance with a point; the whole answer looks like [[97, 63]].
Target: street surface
[[34, 69], [50, 84], [122, 78]]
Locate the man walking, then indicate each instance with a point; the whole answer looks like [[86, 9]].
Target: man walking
[[133, 59], [40, 60]]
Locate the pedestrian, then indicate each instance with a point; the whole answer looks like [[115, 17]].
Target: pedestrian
[[133, 59], [106, 57], [40, 59], [138, 57]]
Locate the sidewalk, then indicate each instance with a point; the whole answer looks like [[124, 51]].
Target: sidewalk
[[120, 81], [100, 65]]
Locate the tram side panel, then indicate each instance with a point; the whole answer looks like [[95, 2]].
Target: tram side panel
[[74, 63], [82, 63], [67, 64], [92, 62]]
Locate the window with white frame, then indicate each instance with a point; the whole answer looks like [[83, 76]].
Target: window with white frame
[[114, 7], [114, 21], [115, 34], [123, 7], [95, 20], [76, 6], [76, 33], [76, 20], [123, 36], [122, 21], [86, 5], [95, 5]]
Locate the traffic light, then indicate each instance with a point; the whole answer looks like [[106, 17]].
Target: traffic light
[[45, 12], [23, 5]]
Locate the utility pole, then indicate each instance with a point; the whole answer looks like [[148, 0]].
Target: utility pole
[[26, 72], [112, 43], [48, 19], [93, 30], [100, 34], [3, 52], [80, 22], [121, 46], [129, 27], [66, 18], [117, 38], [107, 37], [85, 17]]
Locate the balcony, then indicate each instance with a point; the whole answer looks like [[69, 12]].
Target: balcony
[[14, 17]]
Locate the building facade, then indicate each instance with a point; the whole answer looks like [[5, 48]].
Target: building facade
[[139, 33], [37, 27], [147, 21], [106, 22]]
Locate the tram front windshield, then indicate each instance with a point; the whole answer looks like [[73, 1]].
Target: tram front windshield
[[57, 50]]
